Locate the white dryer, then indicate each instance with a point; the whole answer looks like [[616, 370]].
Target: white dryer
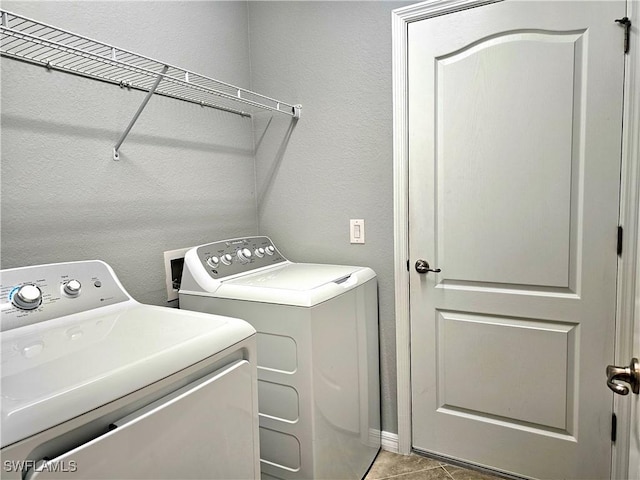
[[96, 385], [318, 366]]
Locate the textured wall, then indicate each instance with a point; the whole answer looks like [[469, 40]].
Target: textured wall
[[186, 174], [336, 163]]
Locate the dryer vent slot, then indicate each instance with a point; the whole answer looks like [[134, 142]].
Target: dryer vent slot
[[177, 264]]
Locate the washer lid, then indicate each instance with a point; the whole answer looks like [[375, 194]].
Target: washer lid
[[295, 276], [56, 370], [299, 284]]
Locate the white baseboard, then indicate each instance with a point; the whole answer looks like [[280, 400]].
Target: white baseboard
[[389, 441]]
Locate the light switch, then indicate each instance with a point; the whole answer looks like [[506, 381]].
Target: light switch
[[356, 230]]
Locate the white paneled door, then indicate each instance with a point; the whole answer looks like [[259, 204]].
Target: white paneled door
[[514, 165]]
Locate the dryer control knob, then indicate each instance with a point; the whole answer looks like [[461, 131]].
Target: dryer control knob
[[270, 250], [244, 254], [227, 259], [72, 288], [27, 297], [259, 252], [213, 262]]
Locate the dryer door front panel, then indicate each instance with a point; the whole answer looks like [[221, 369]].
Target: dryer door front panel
[[205, 430]]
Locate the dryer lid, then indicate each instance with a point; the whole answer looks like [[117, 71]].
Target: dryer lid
[[56, 370]]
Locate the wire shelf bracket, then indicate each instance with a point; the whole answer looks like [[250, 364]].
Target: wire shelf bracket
[[116, 149], [28, 40]]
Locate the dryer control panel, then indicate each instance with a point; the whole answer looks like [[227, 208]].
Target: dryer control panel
[[44, 292], [238, 255]]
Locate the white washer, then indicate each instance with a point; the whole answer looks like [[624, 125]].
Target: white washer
[[96, 385], [318, 373]]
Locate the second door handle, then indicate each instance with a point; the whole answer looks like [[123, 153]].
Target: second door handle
[[422, 267]]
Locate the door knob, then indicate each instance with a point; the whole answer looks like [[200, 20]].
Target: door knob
[[422, 266], [630, 375]]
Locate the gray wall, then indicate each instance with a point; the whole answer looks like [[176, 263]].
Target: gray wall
[[186, 174], [189, 175], [336, 163]]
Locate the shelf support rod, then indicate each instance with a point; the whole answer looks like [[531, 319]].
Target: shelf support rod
[[116, 153]]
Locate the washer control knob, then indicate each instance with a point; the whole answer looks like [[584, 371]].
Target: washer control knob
[[213, 262], [226, 259], [72, 288], [244, 254], [259, 252], [27, 297], [270, 250]]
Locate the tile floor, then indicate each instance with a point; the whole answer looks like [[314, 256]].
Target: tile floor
[[415, 467]]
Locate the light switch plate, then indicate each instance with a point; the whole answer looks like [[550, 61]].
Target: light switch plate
[[356, 230]]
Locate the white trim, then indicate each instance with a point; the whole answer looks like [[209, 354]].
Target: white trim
[[623, 464], [400, 18], [634, 411], [390, 442], [629, 265], [400, 232]]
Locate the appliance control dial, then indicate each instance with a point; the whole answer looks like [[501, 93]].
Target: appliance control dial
[[259, 252], [213, 262], [244, 254], [227, 259], [72, 288], [270, 250], [28, 297]]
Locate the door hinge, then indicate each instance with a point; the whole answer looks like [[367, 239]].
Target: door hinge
[[626, 23], [619, 248], [614, 427]]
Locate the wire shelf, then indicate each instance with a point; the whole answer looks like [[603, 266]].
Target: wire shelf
[[36, 42]]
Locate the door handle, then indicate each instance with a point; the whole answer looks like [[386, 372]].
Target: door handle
[[630, 375], [422, 266]]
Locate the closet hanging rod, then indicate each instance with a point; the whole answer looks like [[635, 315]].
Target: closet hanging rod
[[57, 48], [124, 84], [129, 86], [77, 68]]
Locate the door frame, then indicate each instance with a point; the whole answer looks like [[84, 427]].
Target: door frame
[[628, 295]]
